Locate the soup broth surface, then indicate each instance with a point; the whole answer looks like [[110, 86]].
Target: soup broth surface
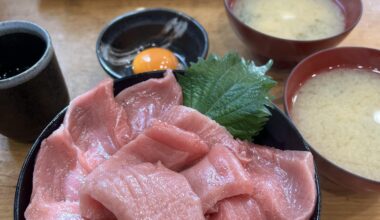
[[292, 19], [338, 113]]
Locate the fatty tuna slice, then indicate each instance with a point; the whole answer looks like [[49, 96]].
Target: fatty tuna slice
[[143, 191], [57, 173], [98, 125], [149, 99], [162, 142], [217, 176], [239, 207], [191, 120], [173, 147], [207, 129], [53, 211], [283, 182], [57, 178]]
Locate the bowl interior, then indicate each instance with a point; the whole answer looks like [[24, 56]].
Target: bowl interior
[[350, 57], [352, 11], [136, 28], [287, 53], [279, 132], [346, 57]]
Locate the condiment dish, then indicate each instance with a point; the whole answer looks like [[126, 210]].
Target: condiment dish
[[128, 34]]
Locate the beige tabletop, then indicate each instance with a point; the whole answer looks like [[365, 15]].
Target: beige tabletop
[[74, 26]]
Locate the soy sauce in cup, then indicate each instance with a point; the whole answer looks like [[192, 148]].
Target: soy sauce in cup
[[18, 52], [32, 88]]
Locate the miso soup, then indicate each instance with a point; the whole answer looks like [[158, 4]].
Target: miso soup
[[292, 19], [338, 114]]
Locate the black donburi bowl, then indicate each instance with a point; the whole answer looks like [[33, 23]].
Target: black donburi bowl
[[279, 132]]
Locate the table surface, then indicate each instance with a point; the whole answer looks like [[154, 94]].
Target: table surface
[[74, 27]]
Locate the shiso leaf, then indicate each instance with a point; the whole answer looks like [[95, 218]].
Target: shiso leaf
[[231, 90]]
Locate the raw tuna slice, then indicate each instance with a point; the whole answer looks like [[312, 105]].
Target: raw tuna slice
[[218, 176], [149, 99], [163, 142], [172, 146], [57, 178], [238, 207], [283, 182], [97, 124], [57, 173], [191, 120], [209, 130], [143, 191], [53, 211]]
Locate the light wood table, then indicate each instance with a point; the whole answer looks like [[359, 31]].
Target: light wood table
[[74, 27]]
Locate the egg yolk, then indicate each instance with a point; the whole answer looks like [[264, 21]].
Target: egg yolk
[[154, 59]]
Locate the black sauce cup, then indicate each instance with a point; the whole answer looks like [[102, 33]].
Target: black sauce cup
[[32, 88]]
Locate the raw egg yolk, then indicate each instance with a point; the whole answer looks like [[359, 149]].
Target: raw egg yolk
[[153, 59]]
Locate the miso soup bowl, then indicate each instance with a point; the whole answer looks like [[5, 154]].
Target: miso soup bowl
[[285, 52], [347, 57], [278, 132]]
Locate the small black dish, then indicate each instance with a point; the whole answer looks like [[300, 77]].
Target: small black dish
[[279, 131], [144, 28]]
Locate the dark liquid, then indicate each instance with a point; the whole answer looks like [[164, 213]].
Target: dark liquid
[[18, 52]]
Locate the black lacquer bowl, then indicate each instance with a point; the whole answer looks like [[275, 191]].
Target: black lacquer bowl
[[278, 132], [142, 27]]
